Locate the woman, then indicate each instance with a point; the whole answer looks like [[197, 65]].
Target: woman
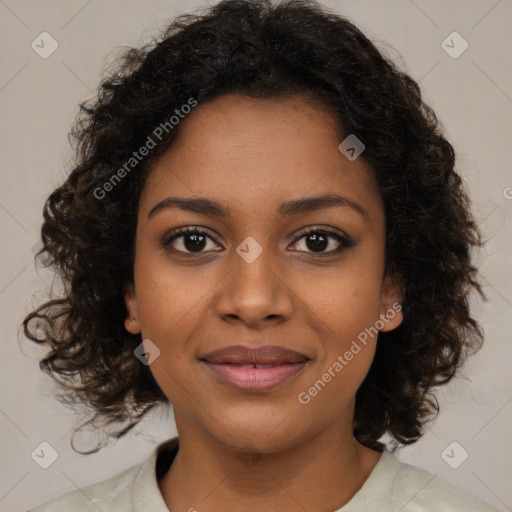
[[264, 228]]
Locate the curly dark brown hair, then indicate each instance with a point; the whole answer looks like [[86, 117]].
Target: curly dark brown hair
[[260, 50]]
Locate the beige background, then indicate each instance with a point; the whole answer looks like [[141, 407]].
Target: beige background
[[38, 101]]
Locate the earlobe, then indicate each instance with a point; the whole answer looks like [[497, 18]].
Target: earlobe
[[392, 296], [131, 322]]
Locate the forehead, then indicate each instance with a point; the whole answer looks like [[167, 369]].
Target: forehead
[[250, 154]]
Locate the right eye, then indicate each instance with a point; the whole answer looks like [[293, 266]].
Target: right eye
[[192, 240]]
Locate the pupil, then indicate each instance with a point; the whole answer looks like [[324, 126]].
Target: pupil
[[319, 242], [198, 243]]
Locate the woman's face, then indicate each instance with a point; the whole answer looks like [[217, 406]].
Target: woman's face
[[255, 278]]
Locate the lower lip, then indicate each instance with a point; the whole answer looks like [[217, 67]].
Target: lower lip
[[255, 379]]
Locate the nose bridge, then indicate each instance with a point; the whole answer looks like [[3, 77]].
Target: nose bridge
[[253, 262], [253, 266]]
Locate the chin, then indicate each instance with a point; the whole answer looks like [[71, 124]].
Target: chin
[[258, 433]]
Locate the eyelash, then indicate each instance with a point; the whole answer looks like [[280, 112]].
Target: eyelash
[[345, 242]]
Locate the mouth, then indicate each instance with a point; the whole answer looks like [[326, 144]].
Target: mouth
[[254, 377], [254, 370]]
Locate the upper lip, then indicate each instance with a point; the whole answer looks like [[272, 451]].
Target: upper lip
[[268, 354]]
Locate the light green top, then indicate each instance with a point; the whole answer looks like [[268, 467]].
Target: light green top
[[391, 487]]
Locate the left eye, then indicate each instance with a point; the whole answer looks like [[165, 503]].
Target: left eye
[[318, 241]]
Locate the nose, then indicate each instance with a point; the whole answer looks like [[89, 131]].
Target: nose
[[255, 292]]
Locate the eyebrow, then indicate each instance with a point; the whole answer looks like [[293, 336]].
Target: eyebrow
[[205, 206]]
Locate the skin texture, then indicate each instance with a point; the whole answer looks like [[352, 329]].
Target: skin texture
[[242, 450]]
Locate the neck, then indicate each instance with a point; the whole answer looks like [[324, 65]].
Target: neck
[[319, 473]]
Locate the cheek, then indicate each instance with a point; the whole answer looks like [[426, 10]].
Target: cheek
[[168, 297], [338, 376], [169, 309], [343, 301]]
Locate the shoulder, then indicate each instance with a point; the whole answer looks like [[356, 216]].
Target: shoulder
[[415, 489], [113, 494], [133, 489]]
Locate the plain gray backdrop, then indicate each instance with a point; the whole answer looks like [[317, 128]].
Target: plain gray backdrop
[[471, 92]]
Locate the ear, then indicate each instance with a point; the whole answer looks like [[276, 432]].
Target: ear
[[131, 322], [392, 296]]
